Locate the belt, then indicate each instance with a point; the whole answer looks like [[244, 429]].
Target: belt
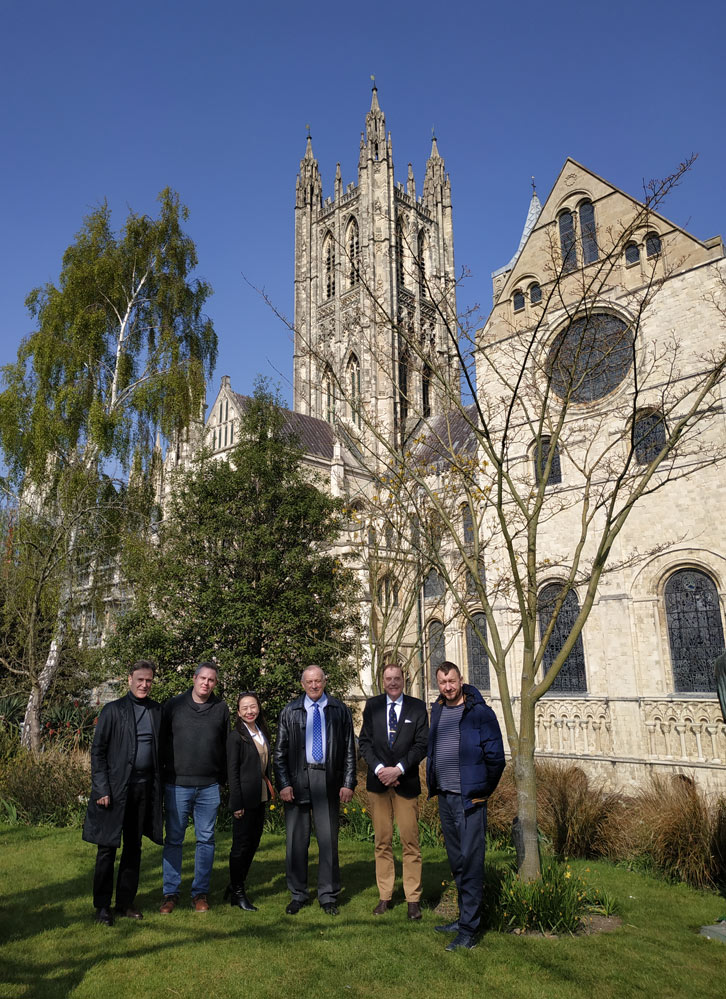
[[316, 766]]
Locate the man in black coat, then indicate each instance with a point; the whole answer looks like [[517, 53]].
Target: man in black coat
[[393, 742], [315, 771], [125, 799]]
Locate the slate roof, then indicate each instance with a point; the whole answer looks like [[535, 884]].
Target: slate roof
[[447, 434], [315, 436]]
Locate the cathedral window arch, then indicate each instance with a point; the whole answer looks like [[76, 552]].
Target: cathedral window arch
[[329, 264], [568, 248], [535, 293], [329, 395], [436, 647], [352, 243], [399, 254], [632, 254], [588, 232], [540, 454], [421, 261], [467, 524], [649, 435], [572, 678], [476, 635], [433, 586], [652, 245], [518, 300], [353, 385], [695, 630], [426, 391], [403, 371]]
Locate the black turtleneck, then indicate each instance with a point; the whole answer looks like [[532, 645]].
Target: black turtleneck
[[144, 759]]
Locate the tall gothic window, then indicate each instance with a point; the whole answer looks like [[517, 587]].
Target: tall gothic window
[[572, 678], [588, 232], [353, 247], [329, 395], [541, 453], [652, 244], [437, 648], [421, 261], [695, 632], [649, 434], [426, 391], [477, 653], [329, 263], [399, 254], [433, 585], [467, 524], [353, 379], [403, 363], [567, 242]]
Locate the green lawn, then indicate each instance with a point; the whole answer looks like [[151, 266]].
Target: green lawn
[[51, 948]]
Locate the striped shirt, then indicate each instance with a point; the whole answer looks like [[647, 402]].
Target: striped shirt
[[446, 758]]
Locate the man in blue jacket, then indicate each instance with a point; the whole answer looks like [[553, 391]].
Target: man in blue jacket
[[464, 764]]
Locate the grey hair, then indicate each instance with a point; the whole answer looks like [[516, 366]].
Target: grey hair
[[313, 666], [206, 665]]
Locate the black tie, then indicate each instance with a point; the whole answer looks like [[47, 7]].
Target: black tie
[[392, 725]]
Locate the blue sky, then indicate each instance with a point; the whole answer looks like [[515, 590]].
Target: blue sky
[[119, 100]]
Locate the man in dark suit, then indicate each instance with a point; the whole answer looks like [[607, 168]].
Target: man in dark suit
[[315, 771], [125, 800], [393, 742]]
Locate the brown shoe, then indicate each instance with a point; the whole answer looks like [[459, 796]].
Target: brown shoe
[[200, 903], [129, 913], [414, 910], [383, 906], [169, 904]]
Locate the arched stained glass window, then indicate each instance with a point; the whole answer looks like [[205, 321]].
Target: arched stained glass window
[[426, 391], [518, 300], [421, 261], [353, 248], [652, 244], [541, 453], [591, 357], [467, 524], [572, 678], [437, 648], [695, 631], [353, 379], [329, 395], [403, 363], [649, 434], [632, 253], [567, 242], [329, 263], [476, 632], [399, 253], [535, 294], [588, 232], [433, 585]]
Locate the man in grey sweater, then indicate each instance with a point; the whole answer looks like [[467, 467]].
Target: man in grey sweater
[[194, 732]]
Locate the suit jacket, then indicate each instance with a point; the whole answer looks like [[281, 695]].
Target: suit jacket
[[291, 769], [409, 746], [244, 770], [112, 763]]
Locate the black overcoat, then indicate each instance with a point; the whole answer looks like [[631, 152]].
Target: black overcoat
[[112, 761]]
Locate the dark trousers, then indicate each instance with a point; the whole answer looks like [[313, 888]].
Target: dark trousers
[[246, 836], [138, 802], [465, 841], [297, 827]]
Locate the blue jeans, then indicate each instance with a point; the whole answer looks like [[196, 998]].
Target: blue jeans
[[180, 802], [465, 841]]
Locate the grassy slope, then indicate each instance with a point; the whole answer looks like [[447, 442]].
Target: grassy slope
[[52, 949]]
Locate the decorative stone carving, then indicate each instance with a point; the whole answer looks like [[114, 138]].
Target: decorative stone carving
[[688, 730], [579, 727]]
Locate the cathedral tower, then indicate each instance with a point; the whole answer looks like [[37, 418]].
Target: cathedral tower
[[374, 279]]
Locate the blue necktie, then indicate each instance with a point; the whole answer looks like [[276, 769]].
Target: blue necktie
[[392, 725], [317, 735]]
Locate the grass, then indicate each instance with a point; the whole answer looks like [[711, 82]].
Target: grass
[[52, 949]]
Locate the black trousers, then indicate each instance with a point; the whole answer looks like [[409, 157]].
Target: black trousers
[[246, 836], [325, 813], [138, 802]]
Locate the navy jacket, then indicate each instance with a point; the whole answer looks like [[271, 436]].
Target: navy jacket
[[481, 750]]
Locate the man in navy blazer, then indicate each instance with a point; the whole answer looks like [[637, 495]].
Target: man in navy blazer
[[393, 742]]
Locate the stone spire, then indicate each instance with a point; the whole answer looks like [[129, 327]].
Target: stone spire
[[375, 132], [309, 188], [437, 186], [530, 222]]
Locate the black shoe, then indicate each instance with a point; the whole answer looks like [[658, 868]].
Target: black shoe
[[128, 912], [448, 927], [104, 916], [295, 905], [330, 908], [238, 897], [462, 941]]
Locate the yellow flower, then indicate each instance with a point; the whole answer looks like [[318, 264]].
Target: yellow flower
[[568, 874], [363, 811], [272, 808], [345, 810]]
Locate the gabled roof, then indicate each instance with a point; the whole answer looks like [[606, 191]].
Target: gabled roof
[[315, 436], [441, 437]]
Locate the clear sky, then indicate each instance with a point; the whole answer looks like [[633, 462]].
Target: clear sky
[[118, 100]]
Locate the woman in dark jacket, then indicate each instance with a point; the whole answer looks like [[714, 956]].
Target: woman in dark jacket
[[250, 788]]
